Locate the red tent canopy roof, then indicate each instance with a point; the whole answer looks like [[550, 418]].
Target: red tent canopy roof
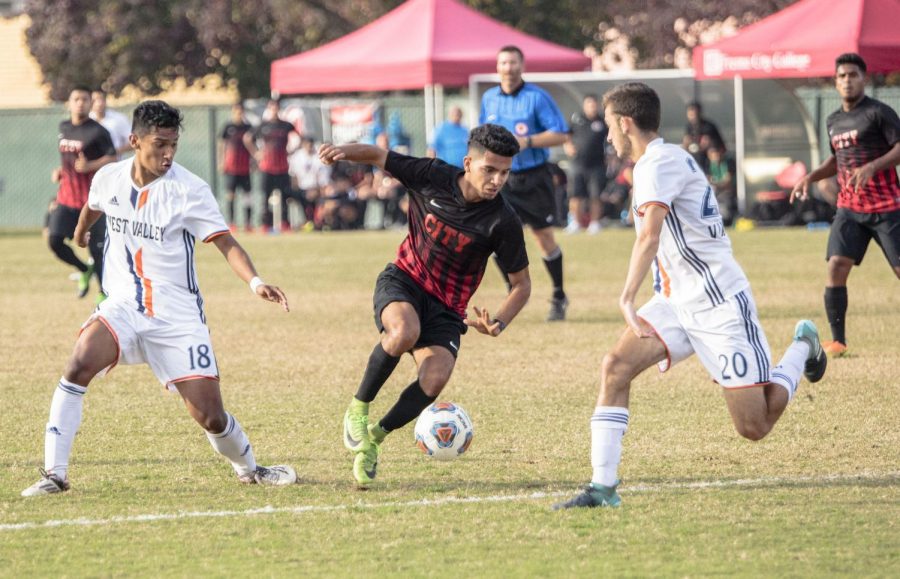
[[804, 39], [418, 43]]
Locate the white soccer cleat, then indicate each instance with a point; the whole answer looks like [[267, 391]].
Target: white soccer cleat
[[278, 475], [48, 485]]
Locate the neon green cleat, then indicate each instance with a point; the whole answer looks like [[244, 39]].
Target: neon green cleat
[[84, 280], [593, 495], [356, 422], [100, 298], [365, 464]]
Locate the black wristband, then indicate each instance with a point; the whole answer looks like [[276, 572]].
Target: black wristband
[[501, 322]]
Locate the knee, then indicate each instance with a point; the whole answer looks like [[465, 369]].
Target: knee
[[613, 370], [56, 242], [753, 430], [400, 338], [432, 381], [78, 371]]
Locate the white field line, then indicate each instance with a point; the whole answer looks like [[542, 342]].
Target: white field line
[[638, 488]]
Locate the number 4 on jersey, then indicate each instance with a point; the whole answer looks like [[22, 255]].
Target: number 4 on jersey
[[710, 207]]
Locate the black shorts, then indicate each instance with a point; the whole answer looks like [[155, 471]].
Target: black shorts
[[588, 182], [281, 182], [530, 193], [235, 182], [439, 325], [851, 232], [63, 220]]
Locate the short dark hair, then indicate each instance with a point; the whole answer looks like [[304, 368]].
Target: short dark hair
[[635, 100], [589, 96], [493, 138], [80, 88], [695, 105], [513, 48], [99, 90], [850, 58], [151, 115]]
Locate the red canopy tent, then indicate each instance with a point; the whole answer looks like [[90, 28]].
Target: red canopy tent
[[418, 44], [803, 40]]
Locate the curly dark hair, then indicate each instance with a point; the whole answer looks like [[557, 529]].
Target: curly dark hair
[[635, 100], [493, 138], [850, 58], [151, 115]]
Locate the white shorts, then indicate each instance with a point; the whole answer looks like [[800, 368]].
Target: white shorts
[[728, 338], [176, 352]]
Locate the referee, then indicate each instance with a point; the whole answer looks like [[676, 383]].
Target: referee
[[535, 120]]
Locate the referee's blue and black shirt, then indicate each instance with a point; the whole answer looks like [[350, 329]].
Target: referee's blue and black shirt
[[528, 110]]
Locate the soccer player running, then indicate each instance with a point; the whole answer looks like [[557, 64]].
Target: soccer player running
[[456, 221], [865, 147], [234, 163], [84, 146], [535, 120], [155, 209], [702, 301]]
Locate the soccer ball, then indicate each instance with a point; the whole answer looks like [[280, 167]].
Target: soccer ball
[[444, 431]]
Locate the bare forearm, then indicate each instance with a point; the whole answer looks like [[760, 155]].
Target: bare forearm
[[514, 302], [548, 139], [238, 259], [368, 154], [86, 219], [94, 165], [825, 170], [642, 255]]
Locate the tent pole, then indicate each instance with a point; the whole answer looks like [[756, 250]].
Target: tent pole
[[429, 113], [739, 143], [438, 104]]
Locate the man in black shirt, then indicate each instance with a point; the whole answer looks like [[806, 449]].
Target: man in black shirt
[[700, 134], [587, 147], [457, 220]]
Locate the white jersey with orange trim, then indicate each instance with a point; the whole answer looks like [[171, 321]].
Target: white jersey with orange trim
[[148, 259], [694, 266]]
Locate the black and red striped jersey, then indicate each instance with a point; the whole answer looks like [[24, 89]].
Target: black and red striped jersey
[[237, 157], [859, 136], [274, 135], [451, 240], [89, 138]]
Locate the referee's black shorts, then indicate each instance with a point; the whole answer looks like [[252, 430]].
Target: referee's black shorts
[[530, 192], [851, 232]]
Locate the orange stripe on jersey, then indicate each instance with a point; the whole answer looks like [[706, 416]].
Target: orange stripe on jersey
[[142, 200], [148, 285], [212, 236], [640, 210], [666, 281]]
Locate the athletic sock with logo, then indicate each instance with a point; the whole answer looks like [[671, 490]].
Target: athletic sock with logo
[[788, 371], [608, 426], [554, 265], [233, 444], [65, 419], [378, 370]]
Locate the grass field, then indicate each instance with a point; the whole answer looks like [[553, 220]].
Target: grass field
[[819, 497]]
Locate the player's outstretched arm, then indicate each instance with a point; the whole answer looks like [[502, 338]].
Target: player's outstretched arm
[[240, 262], [800, 192], [642, 254], [369, 154], [520, 291], [86, 219]]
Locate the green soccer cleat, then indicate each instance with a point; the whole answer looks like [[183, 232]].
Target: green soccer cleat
[[356, 423], [593, 495], [817, 360], [365, 464], [84, 280]]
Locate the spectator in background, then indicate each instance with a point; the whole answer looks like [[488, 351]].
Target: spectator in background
[[116, 124], [234, 162], [451, 139], [272, 158], [615, 196], [587, 148], [720, 171], [309, 176], [700, 134]]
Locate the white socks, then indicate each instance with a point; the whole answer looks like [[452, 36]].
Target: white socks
[[608, 426], [788, 371], [233, 444], [65, 418]]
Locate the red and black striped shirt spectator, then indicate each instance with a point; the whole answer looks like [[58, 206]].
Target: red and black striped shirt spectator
[[236, 157], [93, 141], [274, 135], [859, 136]]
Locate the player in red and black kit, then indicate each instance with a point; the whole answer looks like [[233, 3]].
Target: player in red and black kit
[[457, 220], [84, 146], [272, 160], [865, 146], [234, 163]]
